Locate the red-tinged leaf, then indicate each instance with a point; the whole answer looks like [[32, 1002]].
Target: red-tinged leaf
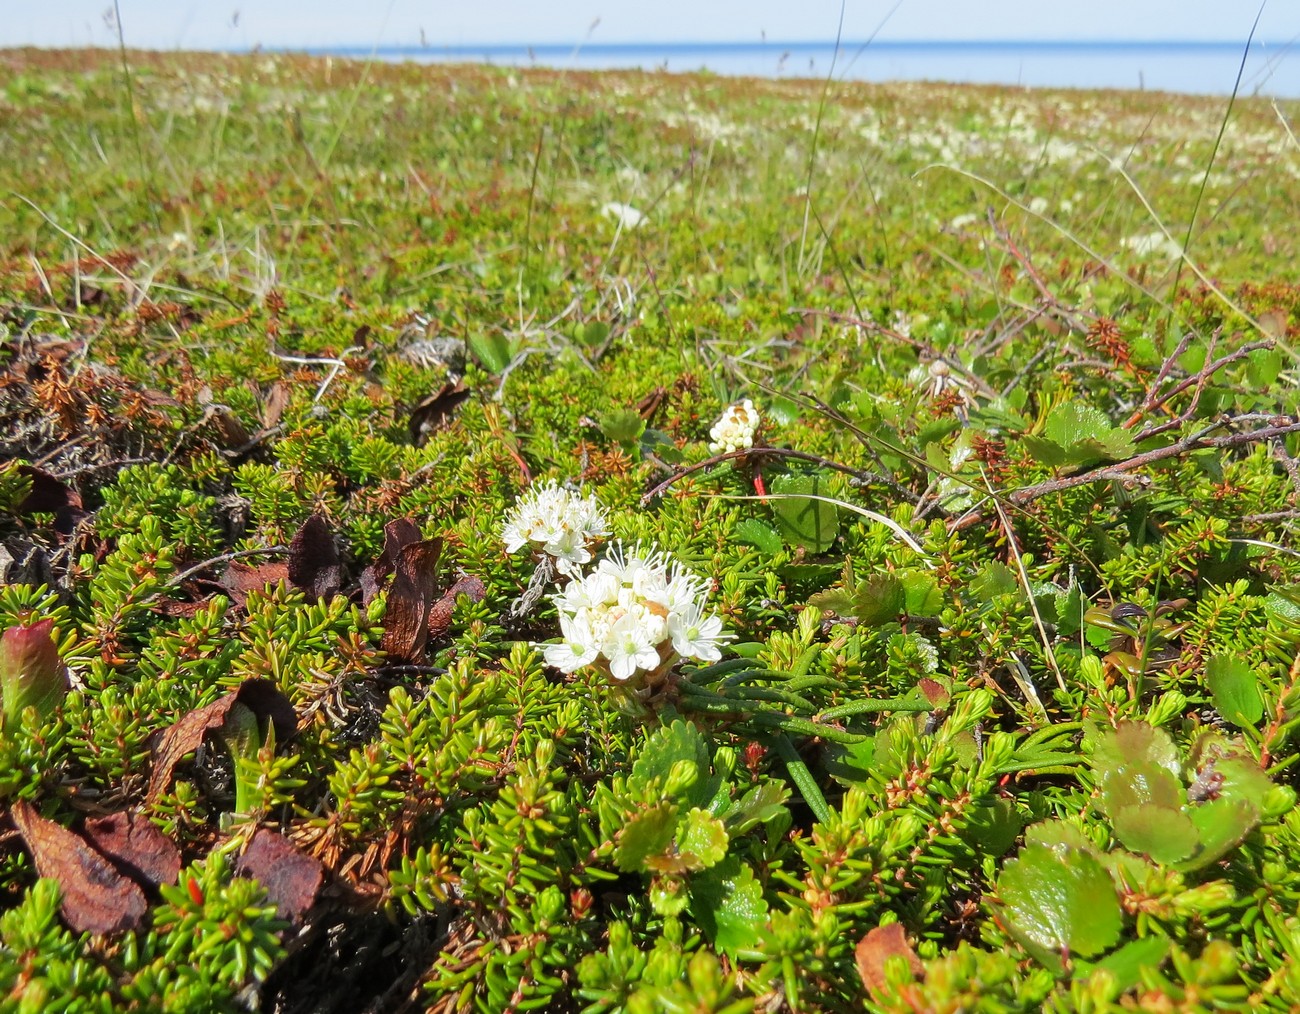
[[240, 578], [51, 495], [137, 846], [875, 948], [414, 590], [262, 697], [398, 534], [314, 559], [96, 897], [291, 877], [440, 614]]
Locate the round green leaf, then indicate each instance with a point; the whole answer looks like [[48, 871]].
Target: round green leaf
[[1060, 902], [1235, 690]]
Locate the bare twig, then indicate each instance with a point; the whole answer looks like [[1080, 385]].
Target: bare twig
[[1197, 381], [859, 475], [1122, 469], [189, 572]]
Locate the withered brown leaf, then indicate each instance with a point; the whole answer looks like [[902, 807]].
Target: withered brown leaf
[[314, 559], [414, 590], [241, 578], [440, 614], [875, 948], [96, 898], [261, 696], [291, 877], [133, 842], [398, 534]]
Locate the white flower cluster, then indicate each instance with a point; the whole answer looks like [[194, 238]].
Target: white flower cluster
[[735, 429], [557, 522], [635, 613]]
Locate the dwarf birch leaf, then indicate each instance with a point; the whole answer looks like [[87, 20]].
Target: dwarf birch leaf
[[879, 599], [1221, 825], [647, 834], [727, 902], [921, 593], [755, 533], [1235, 690], [1166, 835], [812, 524], [491, 350], [701, 843], [1127, 964], [1078, 434], [655, 762], [1060, 904]]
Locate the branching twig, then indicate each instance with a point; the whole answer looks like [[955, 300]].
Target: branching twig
[[1198, 381], [1122, 469], [189, 572], [775, 452]]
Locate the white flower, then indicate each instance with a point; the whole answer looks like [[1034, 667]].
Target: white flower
[[634, 615], [694, 634], [735, 429], [625, 215], [576, 650], [557, 522]]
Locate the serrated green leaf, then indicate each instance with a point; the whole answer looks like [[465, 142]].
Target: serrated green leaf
[[879, 599], [492, 351], [1078, 434], [701, 842], [1060, 901], [921, 593], [754, 533], [727, 902], [647, 835], [1166, 835], [663, 751], [1221, 824]]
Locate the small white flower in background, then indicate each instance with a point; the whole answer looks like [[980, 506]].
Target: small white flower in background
[[636, 613], [627, 216], [557, 522], [735, 430]]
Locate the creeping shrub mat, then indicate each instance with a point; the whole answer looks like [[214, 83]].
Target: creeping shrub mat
[[508, 540]]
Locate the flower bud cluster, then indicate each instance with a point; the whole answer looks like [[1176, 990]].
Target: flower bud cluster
[[555, 521], [634, 616], [735, 429]]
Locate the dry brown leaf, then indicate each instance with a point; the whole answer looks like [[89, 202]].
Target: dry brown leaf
[[262, 697], [879, 944], [51, 495], [398, 534], [96, 898], [134, 843], [436, 410], [241, 578], [414, 590], [314, 559], [292, 878], [440, 614], [275, 402]]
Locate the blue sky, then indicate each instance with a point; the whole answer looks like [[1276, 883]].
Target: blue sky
[[199, 24]]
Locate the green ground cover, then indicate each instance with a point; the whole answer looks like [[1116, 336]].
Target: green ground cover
[[993, 701]]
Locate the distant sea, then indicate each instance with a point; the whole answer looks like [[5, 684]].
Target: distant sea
[[1195, 67]]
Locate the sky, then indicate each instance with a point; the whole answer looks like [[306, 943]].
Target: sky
[[243, 24]]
